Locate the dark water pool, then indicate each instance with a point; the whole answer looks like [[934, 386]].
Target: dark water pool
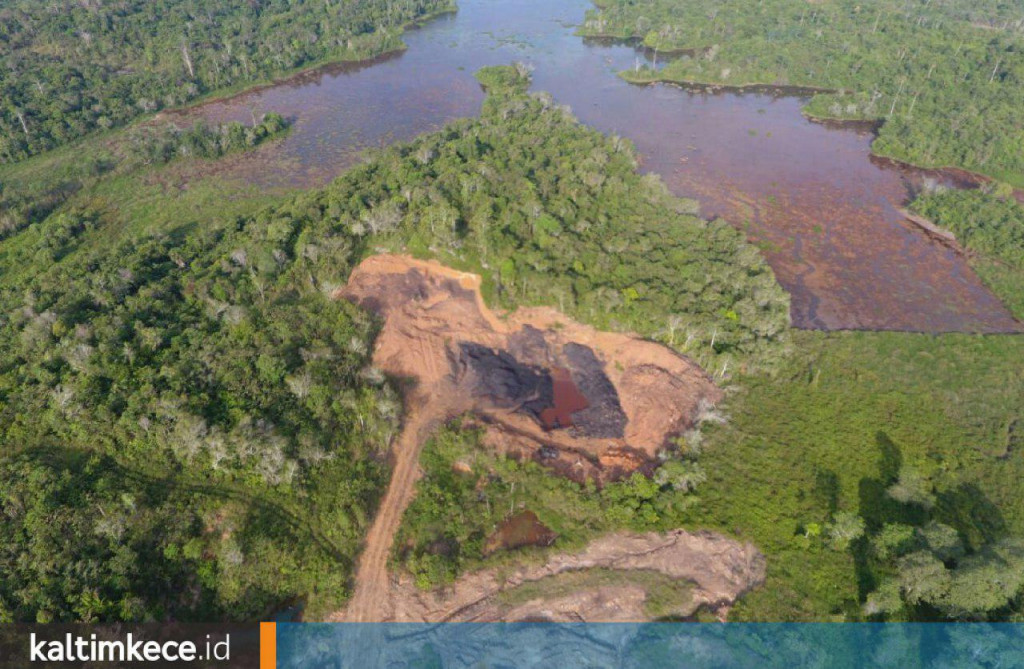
[[821, 209]]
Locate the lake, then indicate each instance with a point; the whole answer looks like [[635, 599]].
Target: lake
[[823, 211]]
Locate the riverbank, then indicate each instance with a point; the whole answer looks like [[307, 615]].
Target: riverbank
[[962, 177], [745, 157], [295, 76], [714, 87], [927, 226]]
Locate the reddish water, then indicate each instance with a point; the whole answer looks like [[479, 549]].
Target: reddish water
[[823, 212], [568, 400], [522, 529]]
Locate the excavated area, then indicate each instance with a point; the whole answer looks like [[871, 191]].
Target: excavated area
[[718, 570], [588, 404]]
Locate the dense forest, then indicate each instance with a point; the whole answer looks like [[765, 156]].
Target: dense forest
[[69, 68], [203, 372], [990, 224], [945, 77], [193, 428]]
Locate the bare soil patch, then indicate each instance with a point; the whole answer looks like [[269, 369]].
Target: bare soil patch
[[614, 579], [589, 404], [535, 378]]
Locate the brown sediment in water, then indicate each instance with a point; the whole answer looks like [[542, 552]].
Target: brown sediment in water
[[637, 43], [567, 400], [305, 75], [518, 531], [953, 177], [823, 209]]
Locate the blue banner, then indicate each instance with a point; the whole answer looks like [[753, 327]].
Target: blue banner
[[649, 645]]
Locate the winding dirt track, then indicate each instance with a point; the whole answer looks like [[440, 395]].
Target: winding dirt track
[[370, 600]]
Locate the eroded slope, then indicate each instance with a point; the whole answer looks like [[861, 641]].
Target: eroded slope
[[613, 579]]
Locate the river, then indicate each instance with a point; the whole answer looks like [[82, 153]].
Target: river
[[812, 198]]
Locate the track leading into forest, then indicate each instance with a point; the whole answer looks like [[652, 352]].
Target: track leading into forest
[[371, 600]]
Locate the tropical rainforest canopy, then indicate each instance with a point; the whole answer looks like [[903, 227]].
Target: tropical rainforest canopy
[[70, 68]]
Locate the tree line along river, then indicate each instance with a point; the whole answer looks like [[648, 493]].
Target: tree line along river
[[824, 212]]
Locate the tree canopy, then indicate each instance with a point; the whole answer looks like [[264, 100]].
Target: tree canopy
[[946, 78], [69, 68], [205, 372]]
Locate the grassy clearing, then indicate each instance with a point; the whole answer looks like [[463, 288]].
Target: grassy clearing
[[833, 430]]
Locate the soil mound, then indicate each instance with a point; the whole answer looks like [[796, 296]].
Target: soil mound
[[608, 581]]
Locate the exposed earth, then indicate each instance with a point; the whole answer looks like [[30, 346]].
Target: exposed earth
[[613, 579], [588, 404]]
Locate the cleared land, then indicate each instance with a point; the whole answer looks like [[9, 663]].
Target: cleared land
[[462, 358]]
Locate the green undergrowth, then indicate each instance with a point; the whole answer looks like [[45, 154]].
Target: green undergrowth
[[852, 415], [990, 224], [467, 491]]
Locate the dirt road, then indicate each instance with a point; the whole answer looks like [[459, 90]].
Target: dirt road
[[371, 600]]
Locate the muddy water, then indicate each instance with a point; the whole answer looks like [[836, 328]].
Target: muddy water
[[522, 529], [567, 400], [809, 195]]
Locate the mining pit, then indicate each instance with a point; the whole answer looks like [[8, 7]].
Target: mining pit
[[589, 405]]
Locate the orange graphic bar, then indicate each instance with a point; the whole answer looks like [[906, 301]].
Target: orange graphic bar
[[268, 645]]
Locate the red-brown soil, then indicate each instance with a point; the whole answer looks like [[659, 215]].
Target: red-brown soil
[[620, 398], [533, 374], [718, 569]]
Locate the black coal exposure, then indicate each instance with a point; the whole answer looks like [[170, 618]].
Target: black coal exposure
[[512, 383]]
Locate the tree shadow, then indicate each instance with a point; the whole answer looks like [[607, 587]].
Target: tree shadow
[[890, 459], [965, 508], [968, 510], [877, 508], [826, 489]]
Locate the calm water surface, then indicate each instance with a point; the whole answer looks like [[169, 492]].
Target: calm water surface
[[810, 196]]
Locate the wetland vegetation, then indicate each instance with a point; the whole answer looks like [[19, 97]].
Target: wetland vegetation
[[989, 222], [180, 394], [72, 68], [946, 79]]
